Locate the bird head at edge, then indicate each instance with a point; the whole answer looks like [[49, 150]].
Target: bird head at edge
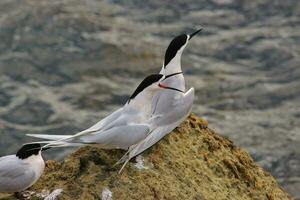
[[28, 150]]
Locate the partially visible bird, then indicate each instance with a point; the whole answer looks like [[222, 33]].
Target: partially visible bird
[[171, 107], [19, 172]]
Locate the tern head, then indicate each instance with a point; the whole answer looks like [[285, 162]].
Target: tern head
[[28, 150], [177, 46]]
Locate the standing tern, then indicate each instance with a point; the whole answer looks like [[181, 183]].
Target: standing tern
[[171, 107], [123, 128], [19, 172]]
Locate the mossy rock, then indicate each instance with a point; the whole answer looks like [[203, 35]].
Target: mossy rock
[[192, 162]]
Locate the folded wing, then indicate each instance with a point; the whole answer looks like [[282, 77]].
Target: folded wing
[[164, 124]]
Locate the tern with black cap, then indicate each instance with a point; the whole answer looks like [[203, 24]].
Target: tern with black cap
[[171, 107], [124, 127], [20, 171]]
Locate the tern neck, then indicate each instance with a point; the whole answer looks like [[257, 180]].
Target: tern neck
[[33, 158], [171, 88], [171, 75], [175, 80], [174, 65], [36, 163]]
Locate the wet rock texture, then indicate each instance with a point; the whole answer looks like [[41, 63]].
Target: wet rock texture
[[193, 162], [66, 64]]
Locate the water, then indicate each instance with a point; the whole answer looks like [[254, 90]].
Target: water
[[66, 64]]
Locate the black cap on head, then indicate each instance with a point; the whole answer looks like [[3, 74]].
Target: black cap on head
[[173, 47], [145, 83], [28, 150]]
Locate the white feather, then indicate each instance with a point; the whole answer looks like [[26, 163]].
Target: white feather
[[49, 137]]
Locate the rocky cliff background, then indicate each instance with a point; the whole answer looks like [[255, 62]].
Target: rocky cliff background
[[66, 64]]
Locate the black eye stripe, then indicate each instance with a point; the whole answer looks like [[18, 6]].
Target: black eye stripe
[[173, 47]]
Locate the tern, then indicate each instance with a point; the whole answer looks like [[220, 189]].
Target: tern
[[123, 128], [171, 107], [20, 171]]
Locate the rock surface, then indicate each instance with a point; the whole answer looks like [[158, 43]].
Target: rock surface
[[193, 162]]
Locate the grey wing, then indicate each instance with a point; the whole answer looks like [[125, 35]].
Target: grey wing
[[106, 121], [164, 124], [120, 136], [10, 166], [114, 120], [14, 174], [95, 129], [177, 112], [152, 139], [163, 100]]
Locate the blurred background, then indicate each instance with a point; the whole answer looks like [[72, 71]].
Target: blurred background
[[65, 64]]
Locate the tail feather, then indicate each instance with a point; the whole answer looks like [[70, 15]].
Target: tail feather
[[40, 142], [54, 144], [49, 137], [123, 166], [123, 159]]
